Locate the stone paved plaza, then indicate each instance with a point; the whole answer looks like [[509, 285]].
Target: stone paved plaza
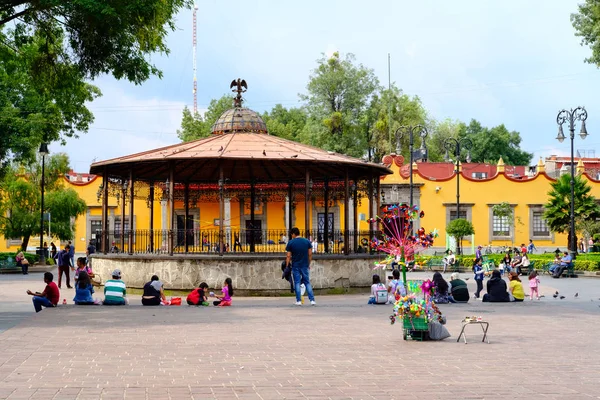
[[265, 348]]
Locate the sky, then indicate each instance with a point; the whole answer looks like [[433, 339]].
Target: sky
[[512, 62]]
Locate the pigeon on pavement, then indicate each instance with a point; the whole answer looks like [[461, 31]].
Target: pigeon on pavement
[[577, 294], [562, 297]]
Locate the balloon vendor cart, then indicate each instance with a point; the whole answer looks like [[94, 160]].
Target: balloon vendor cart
[[397, 239], [416, 312], [396, 223]]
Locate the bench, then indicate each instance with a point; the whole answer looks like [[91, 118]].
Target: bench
[[439, 262], [569, 272], [8, 265], [435, 262]]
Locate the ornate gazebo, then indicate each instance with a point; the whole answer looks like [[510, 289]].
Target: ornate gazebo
[[239, 162]]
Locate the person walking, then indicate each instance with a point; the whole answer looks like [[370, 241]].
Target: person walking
[[478, 271], [299, 254], [64, 266], [71, 255]]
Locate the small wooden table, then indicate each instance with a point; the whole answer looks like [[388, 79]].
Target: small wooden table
[[484, 327]]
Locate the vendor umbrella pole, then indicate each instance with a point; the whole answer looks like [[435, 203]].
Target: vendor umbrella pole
[[403, 261]]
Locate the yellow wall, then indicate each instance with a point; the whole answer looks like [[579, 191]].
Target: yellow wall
[[436, 198]]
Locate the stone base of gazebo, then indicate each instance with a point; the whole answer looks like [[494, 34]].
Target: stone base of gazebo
[[248, 272]]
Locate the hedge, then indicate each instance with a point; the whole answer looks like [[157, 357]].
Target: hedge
[[32, 258]]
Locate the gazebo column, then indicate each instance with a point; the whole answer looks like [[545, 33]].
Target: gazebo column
[[186, 210], [123, 205], [355, 212], [172, 209], [131, 197], [105, 211], [326, 222], [377, 196], [221, 208], [290, 210], [151, 203], [306, 207], [370, 189], [252, 204], [346, 214]]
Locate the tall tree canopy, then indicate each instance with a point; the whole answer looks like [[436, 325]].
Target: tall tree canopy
[[587, 25], [489, 144], [196, 126], [49, 49], [20, 200], [338, 95]]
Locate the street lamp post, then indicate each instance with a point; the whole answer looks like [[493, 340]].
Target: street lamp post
[[570, 117], [410, 131], [43, 152], [456, 146]]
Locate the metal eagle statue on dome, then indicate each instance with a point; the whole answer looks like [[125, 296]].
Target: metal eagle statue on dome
[[240, 87]]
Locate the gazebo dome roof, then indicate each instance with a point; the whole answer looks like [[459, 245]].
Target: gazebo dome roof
[[239, 120]]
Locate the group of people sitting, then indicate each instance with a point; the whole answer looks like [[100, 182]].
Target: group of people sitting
[[456, 291], [115, 291]]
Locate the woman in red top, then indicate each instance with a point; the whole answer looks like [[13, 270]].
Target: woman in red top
[[49, 297]]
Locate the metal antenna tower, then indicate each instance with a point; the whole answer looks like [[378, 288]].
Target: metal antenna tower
[[194, 45]]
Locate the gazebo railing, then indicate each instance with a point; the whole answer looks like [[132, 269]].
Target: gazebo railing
[[194, 241]]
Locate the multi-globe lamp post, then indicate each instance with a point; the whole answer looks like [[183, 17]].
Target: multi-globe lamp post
[[570, 117], [43, 151], [456, 146]]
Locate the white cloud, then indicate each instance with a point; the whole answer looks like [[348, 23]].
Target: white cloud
[[124, 124]]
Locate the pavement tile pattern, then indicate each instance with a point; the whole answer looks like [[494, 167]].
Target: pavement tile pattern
[[267, 348]]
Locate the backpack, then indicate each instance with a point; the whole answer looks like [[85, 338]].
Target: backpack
[[381, 294]]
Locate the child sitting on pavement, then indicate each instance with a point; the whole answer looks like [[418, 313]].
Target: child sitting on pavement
[[198, 296]]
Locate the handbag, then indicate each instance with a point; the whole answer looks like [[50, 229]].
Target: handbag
[[175, 301]]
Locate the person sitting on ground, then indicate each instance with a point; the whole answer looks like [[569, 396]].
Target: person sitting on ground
[[115, 293], [515, 287], [81, 267], [49, 297], [441, 293], [83, 289], [396, 286], [376, 289], [198, 296], [458, 289], [496, 289], [225, 298], [449, 260], [153, 292]]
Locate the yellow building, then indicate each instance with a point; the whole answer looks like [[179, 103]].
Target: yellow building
[[481, 187]]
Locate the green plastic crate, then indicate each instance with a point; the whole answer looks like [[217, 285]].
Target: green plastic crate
[[415, 324]]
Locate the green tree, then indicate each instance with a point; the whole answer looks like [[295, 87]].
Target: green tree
[[338, 94], [20, 200], [458, 228], [391, 109], [587, 26], [200, 125], [489, 144], [50, 50], [438, 133], [285, 123], [557, 209]]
